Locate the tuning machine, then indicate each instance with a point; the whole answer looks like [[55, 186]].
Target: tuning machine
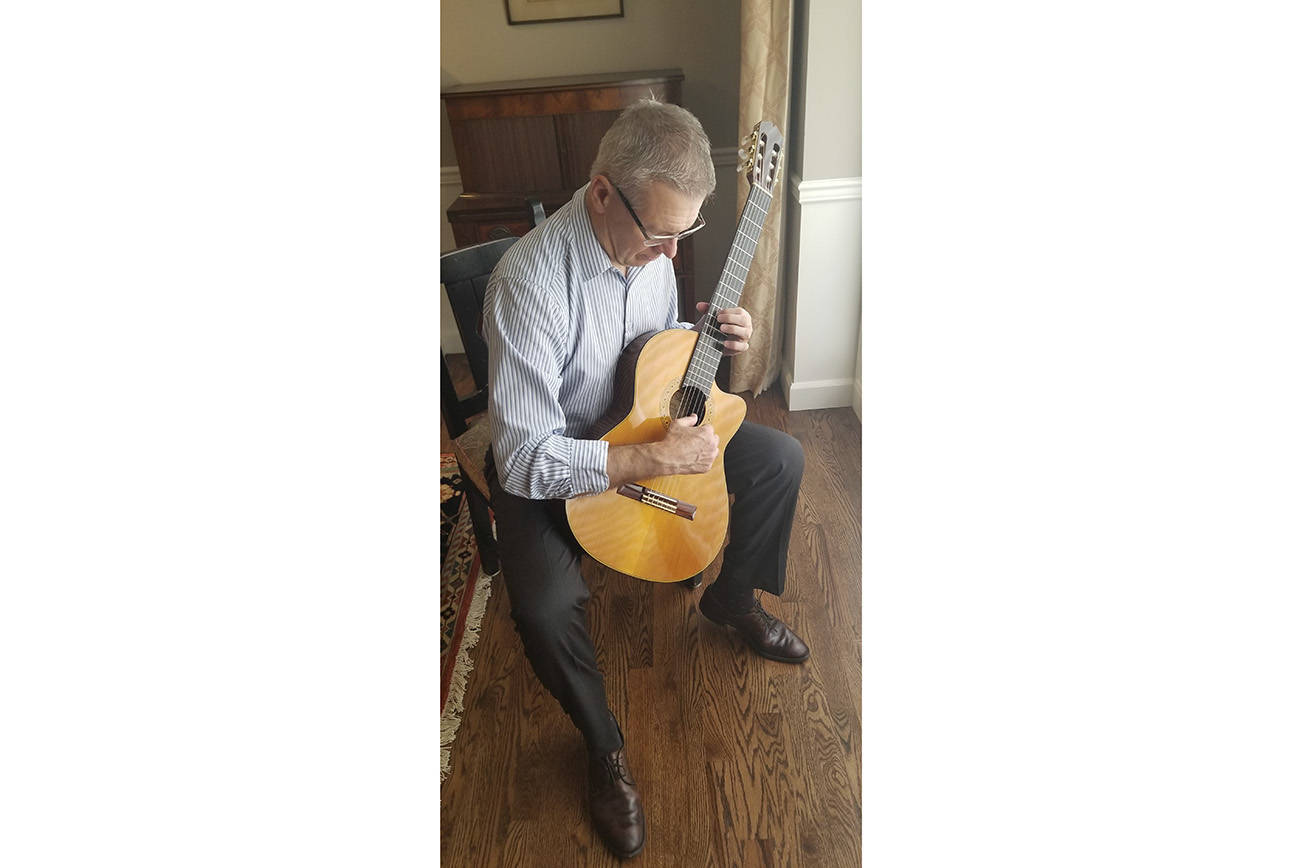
[[746, 153]]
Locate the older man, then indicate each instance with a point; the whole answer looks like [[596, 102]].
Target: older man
[[558, 310]]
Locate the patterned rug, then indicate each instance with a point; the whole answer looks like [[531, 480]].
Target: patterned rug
[[464, 597]]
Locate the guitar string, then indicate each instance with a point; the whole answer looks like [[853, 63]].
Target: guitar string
[[709, 352], [730, 283]]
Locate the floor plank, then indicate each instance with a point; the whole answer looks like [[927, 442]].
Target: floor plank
[[740, 761]]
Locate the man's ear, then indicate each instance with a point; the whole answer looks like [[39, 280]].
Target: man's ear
[[602, 192]]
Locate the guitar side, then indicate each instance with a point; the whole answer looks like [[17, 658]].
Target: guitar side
[[628, 535]]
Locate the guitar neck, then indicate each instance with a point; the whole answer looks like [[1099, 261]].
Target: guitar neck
[[704, 365]]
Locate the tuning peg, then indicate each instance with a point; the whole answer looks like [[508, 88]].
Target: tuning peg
[[741, 152]]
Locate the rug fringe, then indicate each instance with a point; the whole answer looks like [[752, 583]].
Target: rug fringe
[[451, 721]]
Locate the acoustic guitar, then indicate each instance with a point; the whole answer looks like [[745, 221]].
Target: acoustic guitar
[[668, 528]]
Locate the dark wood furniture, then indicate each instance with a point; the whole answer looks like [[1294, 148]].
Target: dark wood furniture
[[536, 139]]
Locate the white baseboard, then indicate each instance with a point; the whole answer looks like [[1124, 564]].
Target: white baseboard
[[818, 394], [820, 357], [858, 399]]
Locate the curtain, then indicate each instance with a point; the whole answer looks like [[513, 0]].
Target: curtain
[[765, 95]]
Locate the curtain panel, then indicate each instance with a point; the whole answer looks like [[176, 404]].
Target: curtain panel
[[765, 95]]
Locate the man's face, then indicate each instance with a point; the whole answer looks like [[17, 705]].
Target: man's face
[[662, 210]]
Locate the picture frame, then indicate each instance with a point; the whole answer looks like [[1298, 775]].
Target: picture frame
[[544, 11]]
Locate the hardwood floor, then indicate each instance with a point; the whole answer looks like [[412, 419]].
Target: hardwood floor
[[740, 760]]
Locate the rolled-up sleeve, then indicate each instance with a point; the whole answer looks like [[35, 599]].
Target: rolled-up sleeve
[[525, 328]]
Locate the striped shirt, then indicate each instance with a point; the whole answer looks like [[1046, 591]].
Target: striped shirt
[[557, 314]]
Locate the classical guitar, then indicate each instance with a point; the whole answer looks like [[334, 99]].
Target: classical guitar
[[671, 527]]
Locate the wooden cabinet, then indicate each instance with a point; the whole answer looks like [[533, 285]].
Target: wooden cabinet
[[479, 217], [536, 139]]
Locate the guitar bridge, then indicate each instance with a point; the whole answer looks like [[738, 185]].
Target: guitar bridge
[[651, 497]]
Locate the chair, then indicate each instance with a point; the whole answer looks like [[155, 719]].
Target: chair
[[464, 273]]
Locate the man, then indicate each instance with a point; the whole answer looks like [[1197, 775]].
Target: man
[[559, 308]]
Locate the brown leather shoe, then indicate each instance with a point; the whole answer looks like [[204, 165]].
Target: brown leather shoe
[[766, 634], [615, 804]]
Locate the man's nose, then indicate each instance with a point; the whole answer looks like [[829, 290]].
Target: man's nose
[[669, 248]]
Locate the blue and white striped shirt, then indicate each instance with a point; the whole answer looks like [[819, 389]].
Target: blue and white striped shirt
[[557, 314]]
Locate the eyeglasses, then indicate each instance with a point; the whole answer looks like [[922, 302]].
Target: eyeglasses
[[656, 240]]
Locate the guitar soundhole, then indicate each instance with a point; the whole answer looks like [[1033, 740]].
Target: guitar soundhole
[[687, 401]]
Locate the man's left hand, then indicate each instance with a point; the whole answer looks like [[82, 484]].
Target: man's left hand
[[734, 323]]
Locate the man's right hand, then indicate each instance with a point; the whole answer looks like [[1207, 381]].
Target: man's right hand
[[683, 450], [688, 449]]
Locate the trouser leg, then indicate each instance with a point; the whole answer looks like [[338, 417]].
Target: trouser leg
[[540, 566], [763, 467]]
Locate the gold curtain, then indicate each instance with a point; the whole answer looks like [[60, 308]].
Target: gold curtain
[[765, 95]]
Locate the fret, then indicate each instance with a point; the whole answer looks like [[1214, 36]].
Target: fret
[[704, 364]]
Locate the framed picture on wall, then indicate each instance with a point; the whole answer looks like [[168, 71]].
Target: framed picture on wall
[[538, 11]]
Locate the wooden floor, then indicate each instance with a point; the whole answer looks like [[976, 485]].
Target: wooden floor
[[740, 761]]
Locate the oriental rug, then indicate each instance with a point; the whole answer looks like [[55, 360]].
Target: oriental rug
[[464, 592]]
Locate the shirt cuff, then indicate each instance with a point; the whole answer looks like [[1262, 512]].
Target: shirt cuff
[[588, 467]]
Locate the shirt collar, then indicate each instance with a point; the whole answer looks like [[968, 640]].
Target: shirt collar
[[593, 260]]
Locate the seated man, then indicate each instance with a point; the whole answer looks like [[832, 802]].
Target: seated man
[[558, 310]]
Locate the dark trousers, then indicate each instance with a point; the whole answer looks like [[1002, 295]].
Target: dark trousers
[[540, 564]]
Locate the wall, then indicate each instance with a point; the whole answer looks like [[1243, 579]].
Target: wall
[[822, 245], [833, 103], [821, 343], [858, 376], [824, 302], [701, 39]]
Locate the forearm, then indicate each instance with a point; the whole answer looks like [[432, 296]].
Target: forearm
[[684, 450], [633, 462]]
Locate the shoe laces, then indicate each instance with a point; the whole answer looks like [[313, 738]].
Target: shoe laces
[[616, 767]]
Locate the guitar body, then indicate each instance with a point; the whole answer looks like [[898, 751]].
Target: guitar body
[[630, 535]]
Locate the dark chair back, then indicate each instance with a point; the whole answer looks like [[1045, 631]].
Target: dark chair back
[[465, 274]]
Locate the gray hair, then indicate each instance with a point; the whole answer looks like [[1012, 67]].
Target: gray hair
[[656, 141]]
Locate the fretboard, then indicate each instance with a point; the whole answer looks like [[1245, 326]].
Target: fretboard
[[704, 365]]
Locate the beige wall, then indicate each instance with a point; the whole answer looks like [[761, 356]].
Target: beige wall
[[833, 94], [700, 38], [821, 345]]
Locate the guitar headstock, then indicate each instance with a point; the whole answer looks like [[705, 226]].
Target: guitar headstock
[[763, 155]]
